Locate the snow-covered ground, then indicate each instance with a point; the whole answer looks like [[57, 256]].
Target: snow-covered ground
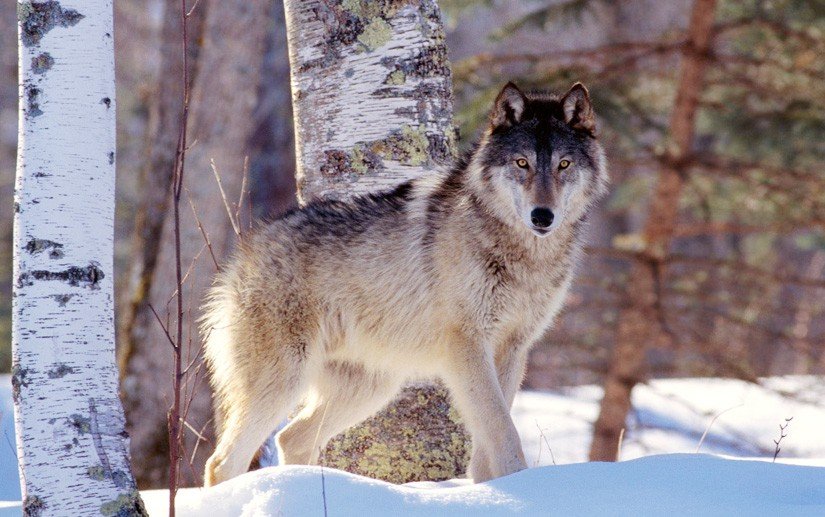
[[677, 484], [9, 479], [670, 417]]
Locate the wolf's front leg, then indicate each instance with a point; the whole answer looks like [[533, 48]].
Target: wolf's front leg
[[471, 378], [510, 361]]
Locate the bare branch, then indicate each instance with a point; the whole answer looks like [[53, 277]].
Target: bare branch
[[782, 435], [241, 197], [160, 322], [203, 232], [225, 201]]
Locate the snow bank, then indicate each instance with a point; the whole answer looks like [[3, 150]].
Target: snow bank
[[656, 485], [9, 480], [669, 417]]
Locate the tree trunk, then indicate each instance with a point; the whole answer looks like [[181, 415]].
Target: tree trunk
[[155, 181], [271, 147], [71, 441], [806, 313], [372, 98], [224, 98], [637, 328]]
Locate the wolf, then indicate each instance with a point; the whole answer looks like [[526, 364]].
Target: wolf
[[453, 275]]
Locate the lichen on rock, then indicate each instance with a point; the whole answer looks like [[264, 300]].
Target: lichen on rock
[[391, 445]]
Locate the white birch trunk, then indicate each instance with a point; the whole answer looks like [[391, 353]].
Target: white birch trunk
[[371, 91], [71, 443], [372, 97]]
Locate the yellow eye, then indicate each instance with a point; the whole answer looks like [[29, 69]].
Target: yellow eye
[[564, 164], [521, 162]]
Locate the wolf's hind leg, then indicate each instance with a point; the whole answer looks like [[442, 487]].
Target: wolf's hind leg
[[348, 394], [250, 416]]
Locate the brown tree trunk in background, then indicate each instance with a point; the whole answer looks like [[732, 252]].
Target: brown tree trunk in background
[[807, 310], [224, 99], [372, 95], [272, 145], [162, 137], [637, 328]]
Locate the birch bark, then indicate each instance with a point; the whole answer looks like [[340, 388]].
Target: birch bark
[[71, 443], [372, 97]]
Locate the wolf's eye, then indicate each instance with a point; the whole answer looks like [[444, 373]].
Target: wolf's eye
[[564, 164], [521, 162]]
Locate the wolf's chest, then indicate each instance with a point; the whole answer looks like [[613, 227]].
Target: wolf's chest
[[521, 295]]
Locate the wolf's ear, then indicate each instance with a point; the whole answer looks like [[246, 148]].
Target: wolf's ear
[[508, 108], [578, 110]]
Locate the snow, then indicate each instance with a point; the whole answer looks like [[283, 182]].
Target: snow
[[9, 480], [657, 485], [669, 419], [671, 415]]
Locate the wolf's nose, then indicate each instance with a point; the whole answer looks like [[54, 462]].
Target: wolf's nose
[[541, 217]]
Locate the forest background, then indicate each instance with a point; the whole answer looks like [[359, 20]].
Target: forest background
[[734, 287]]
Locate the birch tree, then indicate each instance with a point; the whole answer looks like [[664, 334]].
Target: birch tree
[[372, 98], [71, 443]]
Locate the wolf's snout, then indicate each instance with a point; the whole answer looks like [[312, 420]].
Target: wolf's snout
[[541, 217]]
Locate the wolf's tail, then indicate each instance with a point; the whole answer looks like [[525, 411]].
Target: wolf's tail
[[216, 329]]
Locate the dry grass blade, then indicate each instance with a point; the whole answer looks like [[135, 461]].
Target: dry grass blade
[[619, 446], [710, 424]]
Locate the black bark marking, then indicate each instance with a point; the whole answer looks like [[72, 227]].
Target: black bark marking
[[94, 428], [80, 423], [365, 23], [430, 61], [107, 101], [111, 158], [60, 371], [33, 506], [96, 472], [62, 299], [88, 276], [35, 246], [36, 19], [33, 100], [336, 163], [431, 100], [42, 62], [19, 380]]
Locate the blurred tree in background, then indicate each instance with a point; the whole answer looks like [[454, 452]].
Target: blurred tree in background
[[733, 285], [737, 287]]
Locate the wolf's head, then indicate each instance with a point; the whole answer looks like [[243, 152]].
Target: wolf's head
[[540, 156]]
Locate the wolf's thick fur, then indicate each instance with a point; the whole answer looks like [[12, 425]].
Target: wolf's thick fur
[[453, 275]]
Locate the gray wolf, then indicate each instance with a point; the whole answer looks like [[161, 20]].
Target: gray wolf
[[453, 275]]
